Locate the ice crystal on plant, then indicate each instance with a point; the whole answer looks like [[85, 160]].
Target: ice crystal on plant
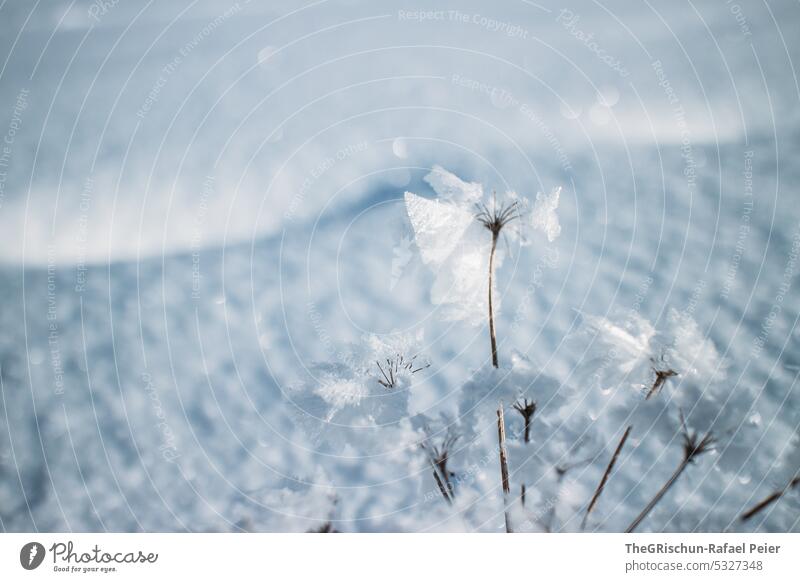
[[544, 216]]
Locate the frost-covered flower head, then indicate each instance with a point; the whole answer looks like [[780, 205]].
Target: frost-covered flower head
[[454, 235], [369, 388], [627, 351], [619, 348]]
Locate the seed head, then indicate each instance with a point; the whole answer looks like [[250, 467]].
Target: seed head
[[496, 218]]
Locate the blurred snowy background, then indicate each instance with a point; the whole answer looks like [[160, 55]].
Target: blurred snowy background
[[200, 201]]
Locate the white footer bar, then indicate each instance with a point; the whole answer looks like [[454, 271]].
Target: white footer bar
[[406, 557]]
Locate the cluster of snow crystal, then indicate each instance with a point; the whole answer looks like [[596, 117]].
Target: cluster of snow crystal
[[453, 244], [691, 351], [451, 188], [456, 248], [438, 227], [544, 215], [617, 350]]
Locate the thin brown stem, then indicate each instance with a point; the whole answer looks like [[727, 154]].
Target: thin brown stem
[[606, 475], [441, 486], [661, 377], [501, 438], [661, 492], [527, 409], [769, 500], [693, 446], [445, 473], [438, 456], [492, 335], [494, 220]]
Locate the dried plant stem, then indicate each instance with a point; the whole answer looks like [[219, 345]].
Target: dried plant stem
[[693, 447], [438, 456], [501, 437], [527, 409], [770, 499], [442, 488], [492, 335], [494, 220], [606, 475], [661, 492], [661, 377]]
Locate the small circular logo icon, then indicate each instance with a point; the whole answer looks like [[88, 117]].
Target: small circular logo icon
[[31, 555]]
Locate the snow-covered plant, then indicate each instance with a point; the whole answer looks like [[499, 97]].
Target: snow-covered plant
[[628, 352], [544, 434], [457, 235], [353, 416], [369, 388]]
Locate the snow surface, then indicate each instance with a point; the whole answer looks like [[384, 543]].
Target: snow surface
[[205, 243]]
